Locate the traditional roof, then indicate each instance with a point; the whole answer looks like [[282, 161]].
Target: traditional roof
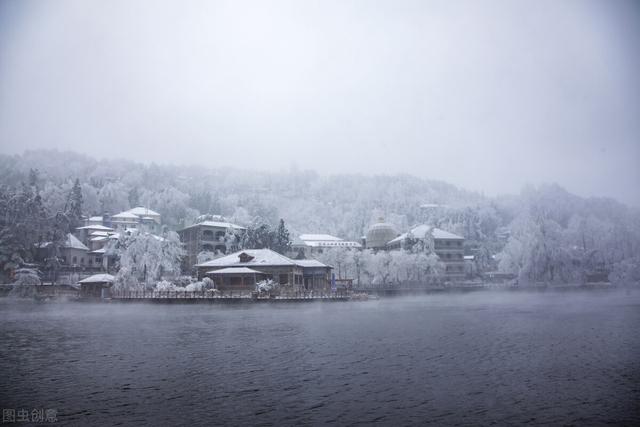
[[219, 224], [235, 270], [100, 251], [310, 263], [420, 231], [72, 242], [252, 258], [98, 278]]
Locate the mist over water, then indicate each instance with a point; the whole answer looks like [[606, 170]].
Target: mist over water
[[506, 358]]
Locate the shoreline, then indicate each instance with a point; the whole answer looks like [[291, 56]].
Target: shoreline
[[49, 293]]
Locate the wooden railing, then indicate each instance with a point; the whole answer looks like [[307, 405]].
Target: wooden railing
[[236, 294]]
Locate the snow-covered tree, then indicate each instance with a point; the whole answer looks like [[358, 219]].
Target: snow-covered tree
[[205, 256], [25, 280], [134, 197], [113, 198], [73, 208], [626, 273], [281, 239], [144, 258], [266, 286]]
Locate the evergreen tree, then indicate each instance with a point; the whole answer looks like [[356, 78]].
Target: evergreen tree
[[73, 210], [281, 240], [258, 236]]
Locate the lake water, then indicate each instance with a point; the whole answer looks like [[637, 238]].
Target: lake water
[[481, 358]]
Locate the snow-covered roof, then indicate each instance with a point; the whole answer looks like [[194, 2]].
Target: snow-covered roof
[[320, 237], [234, 270], [441, 234], [219, 224], [420, 231], [98, 278], [125, 215], [98, 251], [99, 233], [469, 257], [95, 218], [310, 263], [95, 227], [72, 242], [142, 211], [258, 257]]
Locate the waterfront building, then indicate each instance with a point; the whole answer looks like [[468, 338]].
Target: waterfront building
[[96, 286], [241, 270]]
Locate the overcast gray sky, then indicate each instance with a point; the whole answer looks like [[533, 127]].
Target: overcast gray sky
[[488, 95]]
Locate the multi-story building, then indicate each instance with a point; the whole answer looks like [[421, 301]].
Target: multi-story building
[[72, 253], [139, 218], [448, 246], [206, 236]]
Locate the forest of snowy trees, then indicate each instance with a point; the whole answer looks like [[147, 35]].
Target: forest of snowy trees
[[543, 234]]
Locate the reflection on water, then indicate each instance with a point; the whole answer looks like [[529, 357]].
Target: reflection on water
[[466, 359]]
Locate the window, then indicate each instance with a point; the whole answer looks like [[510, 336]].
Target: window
[[74, 260], [284, 279]]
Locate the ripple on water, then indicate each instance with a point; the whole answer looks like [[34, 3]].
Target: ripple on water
[[506, 359]]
